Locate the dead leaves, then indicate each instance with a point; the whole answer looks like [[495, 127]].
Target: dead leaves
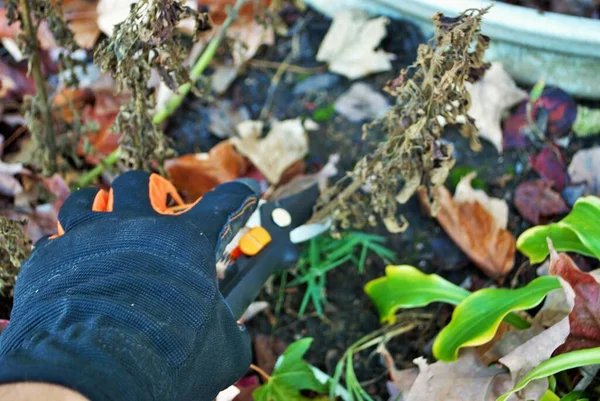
[[585, 316], [477, 224], [491, 96], [536, 200], [349, 45], [285, 144], [194, 175]]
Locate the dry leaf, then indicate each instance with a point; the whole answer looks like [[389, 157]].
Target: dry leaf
[[361, 102], [102, 114], [284, 145], [584, 319], [302, 182], [401, 380], [83, 21], [551, 164], [349, 45], [535, 199], [9, 33], [477, 224], [195, 175], [467, 379], [585, 168], [491, 96]]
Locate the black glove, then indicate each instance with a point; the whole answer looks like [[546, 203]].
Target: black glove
[[125, 305]]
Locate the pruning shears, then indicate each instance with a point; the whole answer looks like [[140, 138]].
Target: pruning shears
[[271, 244]]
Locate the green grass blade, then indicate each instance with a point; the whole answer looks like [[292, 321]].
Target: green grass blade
[[407, 287], [557, 364], [476, 319]]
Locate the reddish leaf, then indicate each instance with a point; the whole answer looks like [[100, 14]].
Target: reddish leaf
[[551, 164], [57, 186], [14, 82], [585, 317], [246, 385], [561, 109], [103, 114], [535, 199], [68, 99], [194, 175], [513, 130]]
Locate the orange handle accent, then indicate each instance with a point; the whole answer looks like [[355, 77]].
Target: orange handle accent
[[254, 241]]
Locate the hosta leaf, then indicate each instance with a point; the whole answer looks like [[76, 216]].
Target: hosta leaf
[[557, 364], [291, 375], [476, 319], [407, 287], [577, 232]]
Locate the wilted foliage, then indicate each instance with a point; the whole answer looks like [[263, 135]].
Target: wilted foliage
[[430, 94], [39, 116], [146, 40], [14, 248]]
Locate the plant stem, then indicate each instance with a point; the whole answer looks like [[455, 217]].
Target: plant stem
[[91, 175], [35, 67], [261, 372], [175, 101]]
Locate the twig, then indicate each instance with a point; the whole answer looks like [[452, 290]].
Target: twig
[[35, 67], [13, 137], [175, 101], [177, 98], [274, 65], [273, 87]]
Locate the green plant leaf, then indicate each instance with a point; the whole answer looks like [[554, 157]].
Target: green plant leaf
[[557, 364], [573, 396], [537, 90], [476, 319], [407, 287], [549, 395], [577, 232], [291, 375]]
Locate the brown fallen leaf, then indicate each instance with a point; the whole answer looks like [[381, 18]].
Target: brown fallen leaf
[[467, 379], [82, 18], [350, 43], [542, 344], [68, 100], [284, 145], [302, 182], [477, 224], [195, 175], [584, 319], [266, 351], [491, 96], [101, 114], [536, 199]]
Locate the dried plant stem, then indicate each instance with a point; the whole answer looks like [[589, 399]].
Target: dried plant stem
[[207, 55], [261, 372], [35, 67], [175, 101]]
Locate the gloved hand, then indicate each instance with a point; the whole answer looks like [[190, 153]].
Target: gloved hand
[[125, 304]]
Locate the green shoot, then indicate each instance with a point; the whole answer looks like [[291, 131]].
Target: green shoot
[[325, 253]]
